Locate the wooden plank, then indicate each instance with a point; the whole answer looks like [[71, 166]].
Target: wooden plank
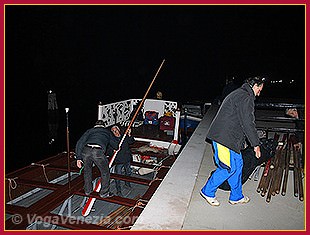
[[130, 179], [15, 209], [114, 199], [38, 184], [140, 164]]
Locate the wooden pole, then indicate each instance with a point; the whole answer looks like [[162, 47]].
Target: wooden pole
[[277, 167], [90, 201], [300, 183], [264, 181], [68, 150], [135, 115], [286, 169], [274, 177], [280, 170]]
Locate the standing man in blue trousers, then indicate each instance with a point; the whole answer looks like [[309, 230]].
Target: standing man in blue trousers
[[233, 124]]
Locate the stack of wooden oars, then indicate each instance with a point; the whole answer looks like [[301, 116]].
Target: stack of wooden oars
[[298, 177], [276, 171]]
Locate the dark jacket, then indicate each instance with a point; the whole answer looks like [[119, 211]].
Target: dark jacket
[[300, 125], [96, 135], [235, 120], [124, 155]]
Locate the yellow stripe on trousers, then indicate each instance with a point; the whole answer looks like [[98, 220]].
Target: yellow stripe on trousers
[[223, 154]]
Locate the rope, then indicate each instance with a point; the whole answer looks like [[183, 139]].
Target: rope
[[44, 171], [162, 167], [143, 200], [158, 166], [138, 205], [154, 180], [80, 172], [161, 162], [12, 186]]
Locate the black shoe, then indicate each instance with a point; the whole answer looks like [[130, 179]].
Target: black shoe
[[105, 195]]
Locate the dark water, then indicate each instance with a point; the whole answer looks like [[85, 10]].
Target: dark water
[[28, 134]]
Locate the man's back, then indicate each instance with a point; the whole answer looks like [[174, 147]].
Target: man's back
[[96, 135], [235, 120]]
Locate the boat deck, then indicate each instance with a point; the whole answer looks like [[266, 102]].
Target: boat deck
[[151, 132], [44, 199]]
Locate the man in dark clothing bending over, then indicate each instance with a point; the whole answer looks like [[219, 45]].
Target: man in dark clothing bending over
[[123, 157], [232, 125], [91, 148]]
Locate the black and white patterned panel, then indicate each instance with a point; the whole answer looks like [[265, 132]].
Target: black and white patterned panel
[[171, 107], [107, 115], [135, 104], [122, 110], [119, 111]]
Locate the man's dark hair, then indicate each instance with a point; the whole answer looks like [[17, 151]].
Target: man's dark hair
[[256, 80]]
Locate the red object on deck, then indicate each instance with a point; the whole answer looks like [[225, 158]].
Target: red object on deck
[[167, 123]]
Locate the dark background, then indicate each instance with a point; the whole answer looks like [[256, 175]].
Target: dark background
[[87, 54]]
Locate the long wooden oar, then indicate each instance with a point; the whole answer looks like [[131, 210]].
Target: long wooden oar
[[134, 117], [90, 202]]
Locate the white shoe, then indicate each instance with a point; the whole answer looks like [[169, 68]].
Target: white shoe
[[243, 200], [211, 200]]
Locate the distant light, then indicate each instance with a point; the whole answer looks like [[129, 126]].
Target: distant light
[[276, 81], [292, 81]]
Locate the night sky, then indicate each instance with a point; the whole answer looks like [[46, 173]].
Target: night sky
[[88, 54]]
